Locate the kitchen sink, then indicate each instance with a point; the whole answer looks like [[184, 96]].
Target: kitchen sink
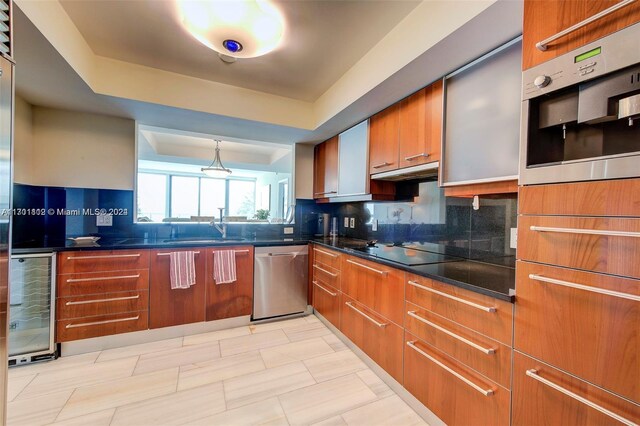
[[201, 240]]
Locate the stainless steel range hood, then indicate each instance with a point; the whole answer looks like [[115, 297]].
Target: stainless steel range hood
[[409, 173]]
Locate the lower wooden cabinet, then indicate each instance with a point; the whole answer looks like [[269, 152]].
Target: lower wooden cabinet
[[101, 325], [169, 307], [230, 299], [101, 304], [543, 395], [454, 392], [326, 301]]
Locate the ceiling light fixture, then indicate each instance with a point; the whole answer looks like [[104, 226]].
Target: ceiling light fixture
[[216, 169], [236, 28]]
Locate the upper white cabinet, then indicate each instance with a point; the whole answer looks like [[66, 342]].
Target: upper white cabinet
[[353, 160]]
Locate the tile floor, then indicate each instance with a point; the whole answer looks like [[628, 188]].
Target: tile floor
[[293, 372]]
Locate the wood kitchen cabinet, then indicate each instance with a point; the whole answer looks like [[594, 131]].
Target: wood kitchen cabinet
[[384, 140], [325, 169], [169, 307], [545, 18], [325, 280], [230, 299]]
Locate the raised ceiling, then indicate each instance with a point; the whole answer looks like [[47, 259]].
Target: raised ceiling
[[323, 40]]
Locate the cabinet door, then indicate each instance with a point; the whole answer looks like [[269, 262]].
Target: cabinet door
[[544, 18], [325, 169], [231, 299], [169, 307], [353, 174], [383, 140], [326, 301]]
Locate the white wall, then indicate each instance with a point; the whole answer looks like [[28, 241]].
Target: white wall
[[22, 141]]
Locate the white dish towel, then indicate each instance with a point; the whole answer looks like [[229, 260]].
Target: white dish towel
[[224, 266], [182, 269]]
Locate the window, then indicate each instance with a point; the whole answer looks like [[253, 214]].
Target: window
[[152, 197], [184, 196], [242, 198], [212, 196]]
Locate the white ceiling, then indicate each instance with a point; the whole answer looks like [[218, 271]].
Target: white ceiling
[[324, 39]]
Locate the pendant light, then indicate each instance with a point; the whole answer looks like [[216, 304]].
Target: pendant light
[[216, 169]]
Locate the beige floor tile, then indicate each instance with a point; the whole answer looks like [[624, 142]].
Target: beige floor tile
[[375, 383], [173, 409], [333, 365], [335, 343], [277, 325], [324, 400], [15, 385], [55, 365], [101, 418], [311, 318], [291, 352], [176, 357], [390, 411], [333, 421], [264, 413], [253, 342], [84, 375], [219, 369], [306, 331], [116, 393], [214, 336], [264, 384], [134, 350], [36, 411]]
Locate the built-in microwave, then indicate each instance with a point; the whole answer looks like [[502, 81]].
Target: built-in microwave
[[581, 113]]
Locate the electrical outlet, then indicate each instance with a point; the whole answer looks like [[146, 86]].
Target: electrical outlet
[[104, 220], [374, 225], [513, 241], [352, 222], [346, 222], [288, 230]]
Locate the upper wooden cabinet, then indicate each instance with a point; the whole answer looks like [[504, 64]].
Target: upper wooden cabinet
[[383, 140], [545, 18], [325, 169]]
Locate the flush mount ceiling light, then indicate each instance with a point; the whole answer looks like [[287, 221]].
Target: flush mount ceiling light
[[233, 28], [216, 168]]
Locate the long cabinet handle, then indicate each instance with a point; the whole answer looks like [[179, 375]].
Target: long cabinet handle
[[533, 373], [326, 192], [379, 166], [377, 271], [485, 392], [413, 157], [322, 288], [167, 254], [84, 324], [325, 271], [542, 45], [110, 256], [491, 309], [379, 324], [482, 349], [584, 287], [113, 299], [326, 252], [585, 231], [120, 277]]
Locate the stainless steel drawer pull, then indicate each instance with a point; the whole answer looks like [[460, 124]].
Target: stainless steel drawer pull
[[485, 392], [325, 193], [113, 299], [585, 231], [322, 288], [326, 252], [111, 256], [542, 45], [457, 299], [84, 324], [533, 373], [378, 166], [379, 324], [325, 271], [584, 287], [377, 271], [240, 251], [120, 277], [413, 157], [487, 351], [167, 254]]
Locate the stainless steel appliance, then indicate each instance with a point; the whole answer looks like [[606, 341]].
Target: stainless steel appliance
[[581, 115], [31, 309], [280, 281]]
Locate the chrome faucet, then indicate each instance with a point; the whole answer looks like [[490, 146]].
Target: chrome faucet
[[222, 228]]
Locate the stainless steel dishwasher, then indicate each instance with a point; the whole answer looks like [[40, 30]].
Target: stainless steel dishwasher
[[280, 281]]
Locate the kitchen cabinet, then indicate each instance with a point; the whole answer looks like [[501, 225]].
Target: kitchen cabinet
[[230, 299], [325, 280], [325, 169], [353, 176], [383, 140], [169, 307], [545, 18]]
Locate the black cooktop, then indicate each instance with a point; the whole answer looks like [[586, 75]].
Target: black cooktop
[[406, 256]]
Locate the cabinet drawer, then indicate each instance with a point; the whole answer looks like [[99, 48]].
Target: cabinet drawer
[[607, 245], [330, 276], [377, 286], [379, 338], [484, 355], [563, 318], [102, 282], [453, 392], [327, 257], [101, 304], [326, 300], [543, 395], [70, 262], [103, 325], [484, 314]]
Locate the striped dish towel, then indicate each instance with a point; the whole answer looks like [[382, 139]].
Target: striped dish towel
[[224, 266], [182, 269]]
